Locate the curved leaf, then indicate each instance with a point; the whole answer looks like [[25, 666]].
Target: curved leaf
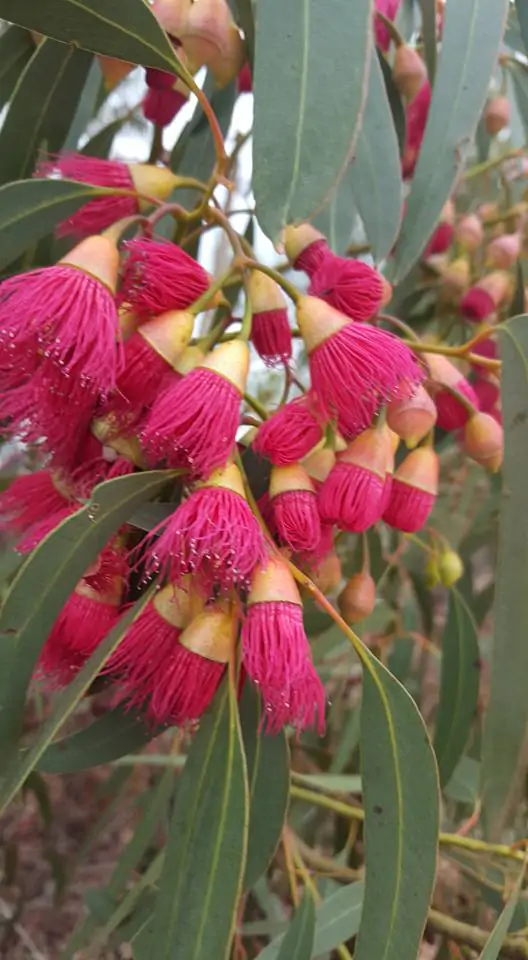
[[505, 742], [299, 938], [304, 138], [125, 31], [459, 686], [16, 49], [30, 209], [205, 854], [337, 919], [108, 738], [428, 11], [522, 15], [42, 107], [268, 763], [21, 766], [472, 34], [492, 950], [375, 174], [48, 577], [401, 818]]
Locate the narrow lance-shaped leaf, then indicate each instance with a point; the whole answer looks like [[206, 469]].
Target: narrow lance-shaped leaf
[[471, 39], [375, 173], [48, 577], [21, 766], [268, 764], [16, 49], [115, 734], [304, 138], [492, 950], [43, 105], [505, 742], [337, 920], [522, 15], [125, 31], [401, 818], [299, 940], [428, 11], [205, 855], [30, 209], [459, 686]]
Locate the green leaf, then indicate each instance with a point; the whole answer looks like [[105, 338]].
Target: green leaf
[[304, 138], [464, 784], [337, 218], [519, 76], [101, 143], [108, 738], [205, 854], [395, 102], [504, 749], [48, 577], [268, 767], [337, 919], [428, 10], [16, 48], [521, 7], [335, 782], [125, 31], [401, 818], [471, 39], [42, 107], [459, 686], [30, 209], [492, 950], [21, 766], [299, 938], [86, 107], [375, 173]]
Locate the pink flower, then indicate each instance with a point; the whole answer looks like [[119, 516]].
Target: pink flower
[[352, 496], [350, 286], [277, 654], [389, 9], [294, 505], [213, 535], [291, 432], [417, 114], [271, 337], [159, 276], [413, 492]]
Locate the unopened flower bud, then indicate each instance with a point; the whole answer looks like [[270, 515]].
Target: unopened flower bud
[[358, 598], [297, 240], [152, 181], [456, 276], [448, 214], [488, 212], [171, 14], [409, 71], [412, 418], [114, 71], [450, 567], [484, 441], [432, 573], [469, 232], [486, 296], [327, 575], [207, 36], [319, 464], [503, 252], [497, 115]]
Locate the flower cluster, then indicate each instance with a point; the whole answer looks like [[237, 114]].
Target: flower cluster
[[101, 369]]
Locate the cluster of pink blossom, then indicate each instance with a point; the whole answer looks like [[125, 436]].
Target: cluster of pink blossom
[[99, 369]]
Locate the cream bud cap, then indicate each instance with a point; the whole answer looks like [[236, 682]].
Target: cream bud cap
[[412, 418], [97, 256], [226, 478], [499, 285], [442, 371], [484, 441], [168, 334], [191, 358], [206, 30], [371, 450], [227, 63], [106, 430], [171, 14], [152, 181], [264, 293], [469, 232], [289, 480], [297, 239], [211, 635], [319, 463], [318, 321], [420, 469], [178, 605], [230, 360], [273, 583]]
